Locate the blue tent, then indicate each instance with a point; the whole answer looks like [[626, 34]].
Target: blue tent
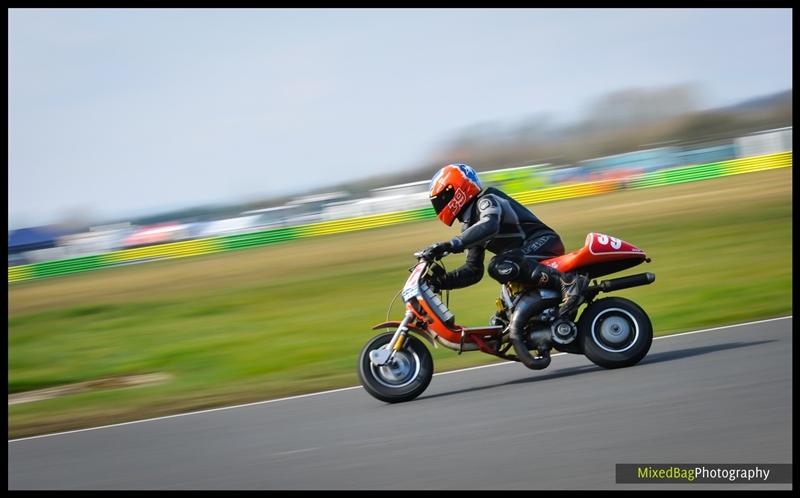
[[29, 239]]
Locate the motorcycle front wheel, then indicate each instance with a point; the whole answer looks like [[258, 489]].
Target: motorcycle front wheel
[[404, 378]]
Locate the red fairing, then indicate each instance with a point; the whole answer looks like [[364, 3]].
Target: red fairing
[[598, 248]]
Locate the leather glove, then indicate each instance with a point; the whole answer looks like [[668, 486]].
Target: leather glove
[[437, 278], [436, 251]]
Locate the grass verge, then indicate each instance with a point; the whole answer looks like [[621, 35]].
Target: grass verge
[[292, 318]]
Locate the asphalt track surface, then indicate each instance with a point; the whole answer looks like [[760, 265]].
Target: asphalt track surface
[[716, 396]]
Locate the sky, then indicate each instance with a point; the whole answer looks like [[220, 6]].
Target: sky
[[125, 112]]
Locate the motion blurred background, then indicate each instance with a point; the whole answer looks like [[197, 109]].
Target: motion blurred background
[[214, 206]]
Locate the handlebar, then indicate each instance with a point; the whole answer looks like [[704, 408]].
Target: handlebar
[[421, 256]]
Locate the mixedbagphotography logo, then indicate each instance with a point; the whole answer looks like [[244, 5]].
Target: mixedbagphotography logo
[[691, 473]]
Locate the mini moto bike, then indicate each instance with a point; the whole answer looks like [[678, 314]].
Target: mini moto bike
[[613, 332]]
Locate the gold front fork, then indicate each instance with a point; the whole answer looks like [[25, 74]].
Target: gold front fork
[[400, 340]]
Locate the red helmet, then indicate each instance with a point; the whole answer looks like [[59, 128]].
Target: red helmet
[[452, 188]]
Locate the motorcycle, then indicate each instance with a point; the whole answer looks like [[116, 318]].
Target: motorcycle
[[612, 332]]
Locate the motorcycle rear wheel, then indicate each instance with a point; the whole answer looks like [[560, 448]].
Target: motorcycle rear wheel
[[615, 332], [405, 378]]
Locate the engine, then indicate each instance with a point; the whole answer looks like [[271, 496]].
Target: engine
[[564, 331]]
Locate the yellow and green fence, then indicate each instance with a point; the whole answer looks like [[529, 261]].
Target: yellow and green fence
[[271, 236]]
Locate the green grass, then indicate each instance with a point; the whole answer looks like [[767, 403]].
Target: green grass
[[292, 318]]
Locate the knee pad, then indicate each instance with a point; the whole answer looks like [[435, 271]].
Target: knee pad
[[507, 267]]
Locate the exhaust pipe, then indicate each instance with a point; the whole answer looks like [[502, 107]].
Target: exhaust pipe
[[526, 307], [624, 282]]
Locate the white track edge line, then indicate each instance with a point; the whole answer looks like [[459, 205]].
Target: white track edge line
[[357, 387]]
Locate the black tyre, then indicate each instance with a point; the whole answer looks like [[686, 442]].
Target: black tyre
[[615, 332], [403, 380]]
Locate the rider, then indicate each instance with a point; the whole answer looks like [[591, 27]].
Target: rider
[[492, 220]]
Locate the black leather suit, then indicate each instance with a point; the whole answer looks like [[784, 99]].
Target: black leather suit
[[494, 221]]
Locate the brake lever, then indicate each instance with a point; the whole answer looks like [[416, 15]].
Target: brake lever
[[420, 256]]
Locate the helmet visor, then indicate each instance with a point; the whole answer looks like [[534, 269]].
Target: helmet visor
[[442, 199]]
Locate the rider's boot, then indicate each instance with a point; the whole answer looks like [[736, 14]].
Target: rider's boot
[[571, 284]]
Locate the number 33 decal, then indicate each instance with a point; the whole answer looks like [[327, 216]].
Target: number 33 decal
[[603, 240]]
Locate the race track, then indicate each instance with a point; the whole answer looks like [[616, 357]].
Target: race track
[[717, 396]]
